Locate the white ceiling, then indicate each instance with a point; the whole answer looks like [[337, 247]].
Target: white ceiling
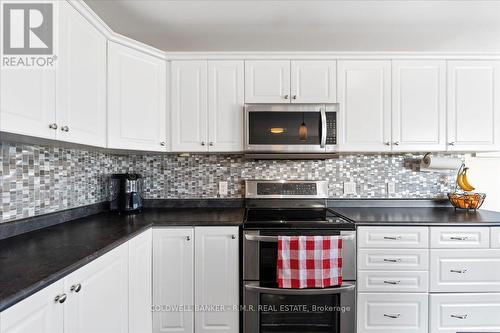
[[307, 25]]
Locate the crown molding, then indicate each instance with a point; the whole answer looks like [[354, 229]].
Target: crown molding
[[100, 25]]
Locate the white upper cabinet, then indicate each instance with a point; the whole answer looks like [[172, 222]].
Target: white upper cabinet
[[98, 295], [225, 105], [39, 313], [419, 105], [473, 105], [313, 81], [267, 81], [81, 80], [216, 278], [136, 100], [364, 94], [27, 102], [189, 106]]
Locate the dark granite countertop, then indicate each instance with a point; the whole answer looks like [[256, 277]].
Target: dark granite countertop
[[32, 261], [433, 216]]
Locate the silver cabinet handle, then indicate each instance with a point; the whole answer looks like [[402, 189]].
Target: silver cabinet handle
[[163, 143], [392, 260], [286, 96], [393, 316], [233, 236], [451, 143], [65, 129], [203, 143], [393, 237], [76, 287], [392, 282], [188, 238], [396, 143], [294, 97], [458, 271], [210, 143], [53, 126], [459, 238], [387, 143], [60, 298], [459, 316]]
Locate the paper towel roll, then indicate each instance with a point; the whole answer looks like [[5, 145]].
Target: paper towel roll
[[440, 163]]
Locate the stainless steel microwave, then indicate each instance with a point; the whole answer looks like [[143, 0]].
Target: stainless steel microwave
[[291, 128]]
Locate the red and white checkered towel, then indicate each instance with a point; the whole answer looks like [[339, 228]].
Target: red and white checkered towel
[[309, 261]]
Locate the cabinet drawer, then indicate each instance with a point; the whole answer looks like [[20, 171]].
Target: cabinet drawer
[[393, 237], [397, 259], [465, 270], [393, 281], [394, 313], [451, 313], [495, 237], [459, 238]]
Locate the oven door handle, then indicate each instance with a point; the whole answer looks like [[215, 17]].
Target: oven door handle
[[323, 127], [258, 238], [254, 287]]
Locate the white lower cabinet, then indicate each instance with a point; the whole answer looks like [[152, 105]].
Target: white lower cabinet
[[393, 259], [140, 278], [98, 295], [393, 281], [394, 313], [39, 313], [216, 278], [465, 270], [451, 313], [195, 266]]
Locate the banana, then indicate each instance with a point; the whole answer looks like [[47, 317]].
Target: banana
[[463, 182]]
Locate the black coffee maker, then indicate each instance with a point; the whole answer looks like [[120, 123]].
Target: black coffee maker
[[125, 192]]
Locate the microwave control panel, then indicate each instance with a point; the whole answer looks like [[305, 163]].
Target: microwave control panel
[[331, 128]]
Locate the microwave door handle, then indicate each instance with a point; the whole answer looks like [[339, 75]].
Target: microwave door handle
[[323, 127], [254, 287]]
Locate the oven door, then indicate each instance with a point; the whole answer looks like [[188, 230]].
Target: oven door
[[299, 128], [328, 310], [268, 308]]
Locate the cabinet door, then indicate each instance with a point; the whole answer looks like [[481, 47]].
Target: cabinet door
[[81, 80], [419, 105], [365, 105], [101, 305], [140, 279], [38, 313], [267, 81], [189, 106], [314, 81], [473, 105], [225, 105], [216, 278], [136, 100], [27, 103], [173, 280]]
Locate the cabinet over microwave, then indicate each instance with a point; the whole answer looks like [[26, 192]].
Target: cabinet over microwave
[[290, 129]]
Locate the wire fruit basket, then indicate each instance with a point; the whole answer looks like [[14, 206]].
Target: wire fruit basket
[[466, 200]]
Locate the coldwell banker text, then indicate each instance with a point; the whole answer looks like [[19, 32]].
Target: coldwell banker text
[[28, 35]]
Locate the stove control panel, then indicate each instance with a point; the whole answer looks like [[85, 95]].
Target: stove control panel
[[286, 189]]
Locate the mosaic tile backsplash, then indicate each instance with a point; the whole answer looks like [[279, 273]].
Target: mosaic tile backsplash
[[37, 179]]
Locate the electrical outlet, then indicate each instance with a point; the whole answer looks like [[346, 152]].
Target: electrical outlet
[[349, 188], [222, 188], [391, 188]]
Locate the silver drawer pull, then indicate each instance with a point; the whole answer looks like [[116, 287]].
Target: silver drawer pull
[[393, 316], [60, 298], [458, 271], [459, 238], [392, 260], [393, 237], [392, 282], [459, 316]]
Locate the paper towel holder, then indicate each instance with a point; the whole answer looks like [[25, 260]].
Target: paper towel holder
[[439, 164]]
